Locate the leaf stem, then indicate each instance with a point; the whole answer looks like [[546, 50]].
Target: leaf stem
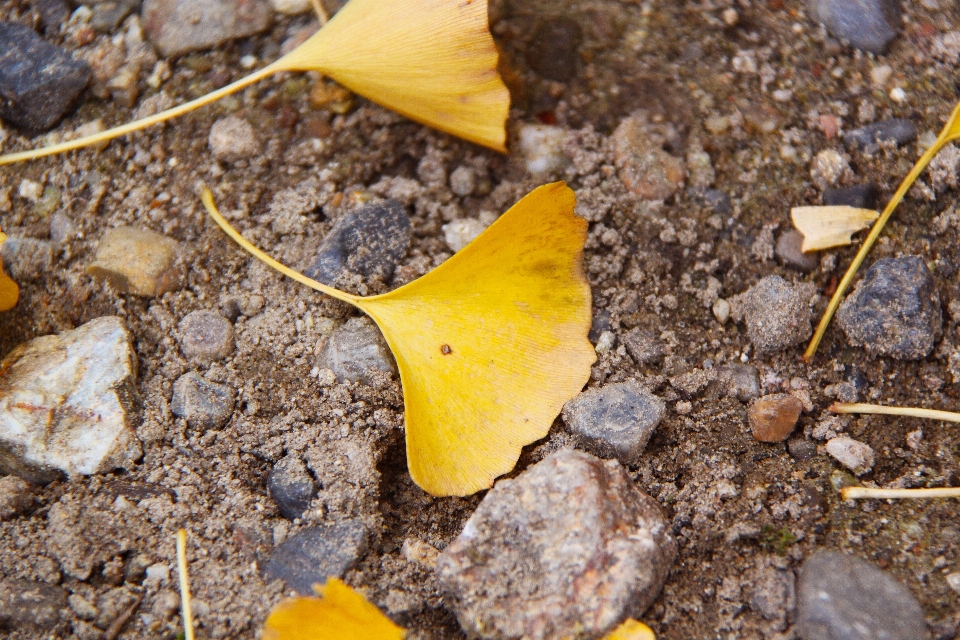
[[914, 412], [184, 584], [861, 493]]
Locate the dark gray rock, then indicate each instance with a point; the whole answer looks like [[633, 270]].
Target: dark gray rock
[[569, 548], [601, 322], [717, 201], [643, 345], [291, 486], [777, 314], [616, 420], [553, 50], [38, 81], [176, 27], [869, 25], [108, 14], [896, 129], [317, 553], [367, 242], [895, 310], [739, 380], [53, 13], [788, 252], [356, 349], [862, 196], [841, 597], [802, 449], [28, 605], [201, 403], [206, 336]]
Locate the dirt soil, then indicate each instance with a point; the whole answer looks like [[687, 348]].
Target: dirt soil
[[742, 509]]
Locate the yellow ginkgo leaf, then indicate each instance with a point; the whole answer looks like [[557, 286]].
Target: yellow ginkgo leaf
[[433, 61], [340, 613], [631, 630], [9, 291], [490, 344], [830, 226]]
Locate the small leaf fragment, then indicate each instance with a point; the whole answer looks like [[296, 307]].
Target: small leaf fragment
[[830, 226], [9, 291], [631, 630]]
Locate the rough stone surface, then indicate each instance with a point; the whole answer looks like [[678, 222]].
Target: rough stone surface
[[29, 605], [206, 336], [291, 486], [643, 345], [616, 420], [642, 164], [541, 147], [841, 597], [742, 381], [136, 261], [772, 418], [38, 81], [460, 233], [853, 454], [176, 27], [463, 181], [52, 13], [895, 310], [862, 196], [26, 259], [367, 242], [355, 349], [776, 313], [788, 252], [16, 496], [108, 15], [233, 138], [866, 24], [553, 50], [315, 554], [569, 548], [200, 402], [68, 402], [896, 129]]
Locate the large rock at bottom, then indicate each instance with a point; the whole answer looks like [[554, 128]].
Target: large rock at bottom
[[567, 549], [315, 554], [895, 310], [38, 81], [356, 349], [68, 403], [176, 27], [841, 597]]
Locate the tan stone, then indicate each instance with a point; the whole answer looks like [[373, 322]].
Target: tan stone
[[136, 261], [772, 418]]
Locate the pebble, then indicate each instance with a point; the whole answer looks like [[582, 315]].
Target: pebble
[[107, 15], [137, 261], [801, 449], [52, 13], [898, 130], [176, 27], [553, 49], [643, 166], [895, 310], [39, 82], [26, 605], [202, 403], [841, 597], [233, 138], [206, 336], [541, 147], [739, 380], [827, 168], [615, 421], [291, 7], [861, 196], [644, 345], [460, 233], [869, 25], [317, 553], [82, 607], [773, 417], [789, 253], [16, 496], [367, 242], [569, 548], [79, 388], [721, 310], [26, 259], [354, 349], [717, 201], [777, 314], [463, 181], [291, 486], [853, 454]]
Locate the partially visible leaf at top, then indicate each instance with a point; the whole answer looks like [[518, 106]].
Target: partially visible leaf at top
[[433, 61], [490, 344], [631, 630], [9, 291], [829, 226]]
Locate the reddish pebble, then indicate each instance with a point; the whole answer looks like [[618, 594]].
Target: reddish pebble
[[773, 417], [830, 125]]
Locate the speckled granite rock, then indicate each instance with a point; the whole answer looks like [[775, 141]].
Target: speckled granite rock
[[616, 420]]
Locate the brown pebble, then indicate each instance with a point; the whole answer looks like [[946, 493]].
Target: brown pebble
[[773, 417]]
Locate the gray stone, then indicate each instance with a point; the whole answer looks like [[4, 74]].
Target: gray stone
[[841, 597], [463, 181], [802, 449], [616, 420], [108, 14], [206, 336], [291, 486], [315, 554], [569, 548], [869, 25], [861, 196], [39, 82], [201, 403], [26, 259], [643, 345], [16, 496], [356, 349], [896, 129], [26, 605], [777, 314], [895, 310], [789, 252], [68, 402], [717, 201], [553, 50], [233, 138], [176, 27], [739, 380], [367, 242], [52, 13]]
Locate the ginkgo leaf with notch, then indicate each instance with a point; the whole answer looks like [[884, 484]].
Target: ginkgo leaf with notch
[[433, 61], [829, 226], [9, 291], [490, 344]]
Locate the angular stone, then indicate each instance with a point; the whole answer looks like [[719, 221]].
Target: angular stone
[[643, 166], [16, 496], [616, 420], [460, 233], [742, 381], [206, 336], [108, 14], [38, 81], [315, 554], [896, 129], [853, 454], [26, 605], [790, 254], [776, 313], [841, 597], [643, 345], [176, 27], [553, 50], [136, 261], [233, 138], [68, 402], [291, 486], [52, 13], [895, 310], [772, 418], [866, 24], [200, 402], [355, 349], [569, 548], [367, 242]]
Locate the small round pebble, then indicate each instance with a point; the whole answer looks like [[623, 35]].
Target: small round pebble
[[460, 233], [789, 252], [206, 336], [233, 138], [463, 181], [200, 402], [739, 380], [721, 310], [801, 449], [772, 418], [853, 454]]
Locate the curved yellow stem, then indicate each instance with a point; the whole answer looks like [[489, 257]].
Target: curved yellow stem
[[913, 412]]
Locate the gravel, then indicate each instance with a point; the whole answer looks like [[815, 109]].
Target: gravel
[[870, 25], [777, 314], [643, 166], [789, 252], [16, 496], [861, 196], [30, 605], [138, 261], [773, 417], [853, 454], [200, 402], [541, 147], [741, 381], [176, 27], [355, 350], [896, 130], [206, 336], [460, 233], [317, 553], [643, 345], [291, 486], [233, 138]]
